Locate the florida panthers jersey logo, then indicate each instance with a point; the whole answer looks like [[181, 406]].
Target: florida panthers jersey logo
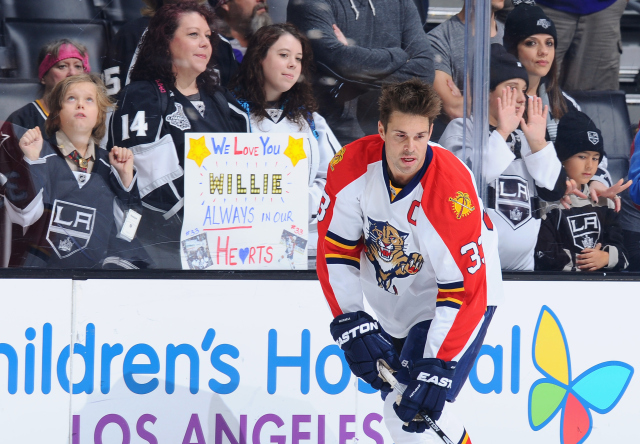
[[70, 227], [385, 247], [585, 229]]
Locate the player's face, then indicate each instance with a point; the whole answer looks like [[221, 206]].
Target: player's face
[[582, 166], [58, 72], [79, 112], [405, 139], [190, 46], [536, 54], [282, 66]]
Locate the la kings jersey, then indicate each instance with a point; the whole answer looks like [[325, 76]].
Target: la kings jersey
[[514, 176], [152, 121], [72, 217], [430, 253], [566, 232]]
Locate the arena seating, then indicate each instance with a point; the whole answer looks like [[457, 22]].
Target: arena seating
[[25, 43], [608, 110], [16, 93], [122, 11], [47, 9]]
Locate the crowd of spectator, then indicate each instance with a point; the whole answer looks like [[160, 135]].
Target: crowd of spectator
[[84, 157]]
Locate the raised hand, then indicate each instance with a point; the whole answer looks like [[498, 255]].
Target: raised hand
[[535, 127], [31, 143], [572, 188], [592, 259], [598, 189], [508, 117], [122, 160]]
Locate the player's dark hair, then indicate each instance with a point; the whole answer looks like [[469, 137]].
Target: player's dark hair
[[56, 98], [154, 60], [409, 97], [248, 83]]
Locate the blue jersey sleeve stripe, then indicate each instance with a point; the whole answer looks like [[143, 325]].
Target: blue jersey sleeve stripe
[[343, 261], [341, 240], [447, 303], [451, 285]]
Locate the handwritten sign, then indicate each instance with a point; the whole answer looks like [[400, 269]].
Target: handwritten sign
[[246, 203]]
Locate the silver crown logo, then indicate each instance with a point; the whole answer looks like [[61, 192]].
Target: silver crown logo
[[593, 137], [588, 242], [515, 215], [544, 23], [65, 245]]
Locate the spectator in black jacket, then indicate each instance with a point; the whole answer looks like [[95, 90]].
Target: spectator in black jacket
[[172, 92], [123, 51]]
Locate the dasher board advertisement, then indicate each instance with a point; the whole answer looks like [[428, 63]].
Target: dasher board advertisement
[[251, 361]]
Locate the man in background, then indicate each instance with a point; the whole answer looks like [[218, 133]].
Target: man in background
[[242, 19]]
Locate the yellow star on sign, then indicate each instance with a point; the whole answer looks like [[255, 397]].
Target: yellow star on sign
[[198, 150], [295, 151]]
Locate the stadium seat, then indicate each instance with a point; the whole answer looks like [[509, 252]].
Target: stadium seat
[[47, 9], [15, 93], [122, 11], [608, 110], [25, 42]]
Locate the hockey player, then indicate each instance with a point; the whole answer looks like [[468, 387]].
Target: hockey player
[[587, 236], [518, 164], [400, 221], [81, 193]]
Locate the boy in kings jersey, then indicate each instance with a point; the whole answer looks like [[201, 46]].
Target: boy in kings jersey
[[401, 222]]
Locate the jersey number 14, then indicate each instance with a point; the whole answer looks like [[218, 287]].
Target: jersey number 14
[[139, 125]]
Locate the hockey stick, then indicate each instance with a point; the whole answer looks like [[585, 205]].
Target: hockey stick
[[386, 374]]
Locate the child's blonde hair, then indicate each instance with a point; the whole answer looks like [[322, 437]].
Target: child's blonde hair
[[103, 101]]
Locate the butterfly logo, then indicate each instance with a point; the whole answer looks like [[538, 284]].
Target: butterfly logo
[[598, 389]]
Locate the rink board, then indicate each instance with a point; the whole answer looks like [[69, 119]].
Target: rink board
[[231, 361]]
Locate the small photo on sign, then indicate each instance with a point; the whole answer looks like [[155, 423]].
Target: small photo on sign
[[196, 250], [292, 243]]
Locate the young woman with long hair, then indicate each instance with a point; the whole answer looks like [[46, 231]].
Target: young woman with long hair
[[273, 85]]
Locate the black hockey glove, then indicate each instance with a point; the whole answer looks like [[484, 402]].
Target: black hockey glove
[[361, 339], [427, 392]]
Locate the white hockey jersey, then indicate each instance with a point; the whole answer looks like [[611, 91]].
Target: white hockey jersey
[[430, 253], [511, 172]]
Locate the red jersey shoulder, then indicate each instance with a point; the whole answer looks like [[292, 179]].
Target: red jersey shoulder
[[353, 160], [448, 186]]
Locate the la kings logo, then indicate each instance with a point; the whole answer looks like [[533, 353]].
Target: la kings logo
[[513, 200], [70, 227], [585, 229]]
